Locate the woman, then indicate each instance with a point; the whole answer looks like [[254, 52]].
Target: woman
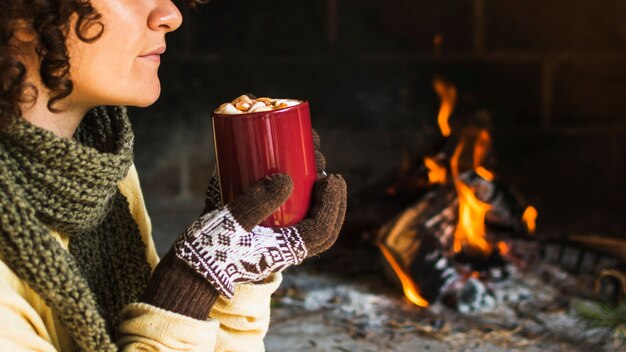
[[78, 267]]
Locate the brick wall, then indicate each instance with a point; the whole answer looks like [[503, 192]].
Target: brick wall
[[551, 74]]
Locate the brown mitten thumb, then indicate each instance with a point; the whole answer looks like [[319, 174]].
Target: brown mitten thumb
[[321, 229], [320, 160], [261, 200]]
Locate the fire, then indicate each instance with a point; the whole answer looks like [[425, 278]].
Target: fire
[[481, 146], [436, 172], [503, 248], [448, 95], [484, 173], [530, 218], [410, 289], [470, 231]]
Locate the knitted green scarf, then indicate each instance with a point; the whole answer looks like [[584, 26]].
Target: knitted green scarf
[[71, 185]]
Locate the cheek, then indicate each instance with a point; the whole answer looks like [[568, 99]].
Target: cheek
[[106, 74]]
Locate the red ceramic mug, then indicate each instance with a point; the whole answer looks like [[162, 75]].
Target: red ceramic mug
[[251, 146]]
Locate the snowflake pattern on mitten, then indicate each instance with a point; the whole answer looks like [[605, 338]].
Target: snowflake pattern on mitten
[[217, 247]]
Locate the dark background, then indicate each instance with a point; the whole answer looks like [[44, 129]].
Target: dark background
[[550, 74]]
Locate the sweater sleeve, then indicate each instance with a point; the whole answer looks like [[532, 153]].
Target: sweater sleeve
[[148, 328], [238, 324], [23, 326], [244, 319]]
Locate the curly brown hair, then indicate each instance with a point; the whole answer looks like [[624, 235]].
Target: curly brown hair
[[50, 21]]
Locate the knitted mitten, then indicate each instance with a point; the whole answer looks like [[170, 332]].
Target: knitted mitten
[[320, 160], [174, 278], [225, 246], [174, 286]]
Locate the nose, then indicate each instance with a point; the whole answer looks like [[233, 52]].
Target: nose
[[165, 17]]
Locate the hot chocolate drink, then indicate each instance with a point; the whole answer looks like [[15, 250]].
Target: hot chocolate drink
[[249, 104]]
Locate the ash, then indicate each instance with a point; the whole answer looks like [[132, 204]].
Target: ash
[[528, 310], [352, 300]]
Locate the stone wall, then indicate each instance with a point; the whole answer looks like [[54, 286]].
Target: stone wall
[[551, 74]]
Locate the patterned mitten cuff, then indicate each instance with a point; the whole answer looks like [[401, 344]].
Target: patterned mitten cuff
[[213, 197], [217, 247]]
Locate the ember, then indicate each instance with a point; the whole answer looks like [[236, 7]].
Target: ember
[[529, 218], [436, 172]]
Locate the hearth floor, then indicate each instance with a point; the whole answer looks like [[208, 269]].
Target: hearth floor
[[319, 312]]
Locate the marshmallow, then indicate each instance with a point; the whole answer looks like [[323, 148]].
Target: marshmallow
[[267, 101], [257, 106], [262, 108], [244, 104], [288, 102], [228, 109]]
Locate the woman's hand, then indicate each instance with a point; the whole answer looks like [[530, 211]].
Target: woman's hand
[[175, 284], [227, 247]]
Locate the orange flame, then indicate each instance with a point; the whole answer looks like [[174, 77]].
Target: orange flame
[[436, 172], [470, 231], [503, 248], [484, 173], [483, 142], [448, 95], [410, 289], [530, 219]]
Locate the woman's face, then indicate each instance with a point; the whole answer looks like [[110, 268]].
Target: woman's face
[[120, 67]]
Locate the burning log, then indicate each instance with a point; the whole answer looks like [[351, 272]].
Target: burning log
[[431, 269], [411, 243], [421, 241], [436, 245]]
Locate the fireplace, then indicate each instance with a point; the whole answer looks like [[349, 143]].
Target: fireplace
[[517, 109], [464, 237]]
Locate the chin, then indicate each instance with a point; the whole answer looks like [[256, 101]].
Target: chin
[[145, 99]]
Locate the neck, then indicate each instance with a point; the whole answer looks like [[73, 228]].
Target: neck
[[63, 124]]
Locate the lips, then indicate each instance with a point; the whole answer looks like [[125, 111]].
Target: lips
[[154, 55]]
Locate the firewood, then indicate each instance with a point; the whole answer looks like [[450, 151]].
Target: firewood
[[611, 285], [615, 247]]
